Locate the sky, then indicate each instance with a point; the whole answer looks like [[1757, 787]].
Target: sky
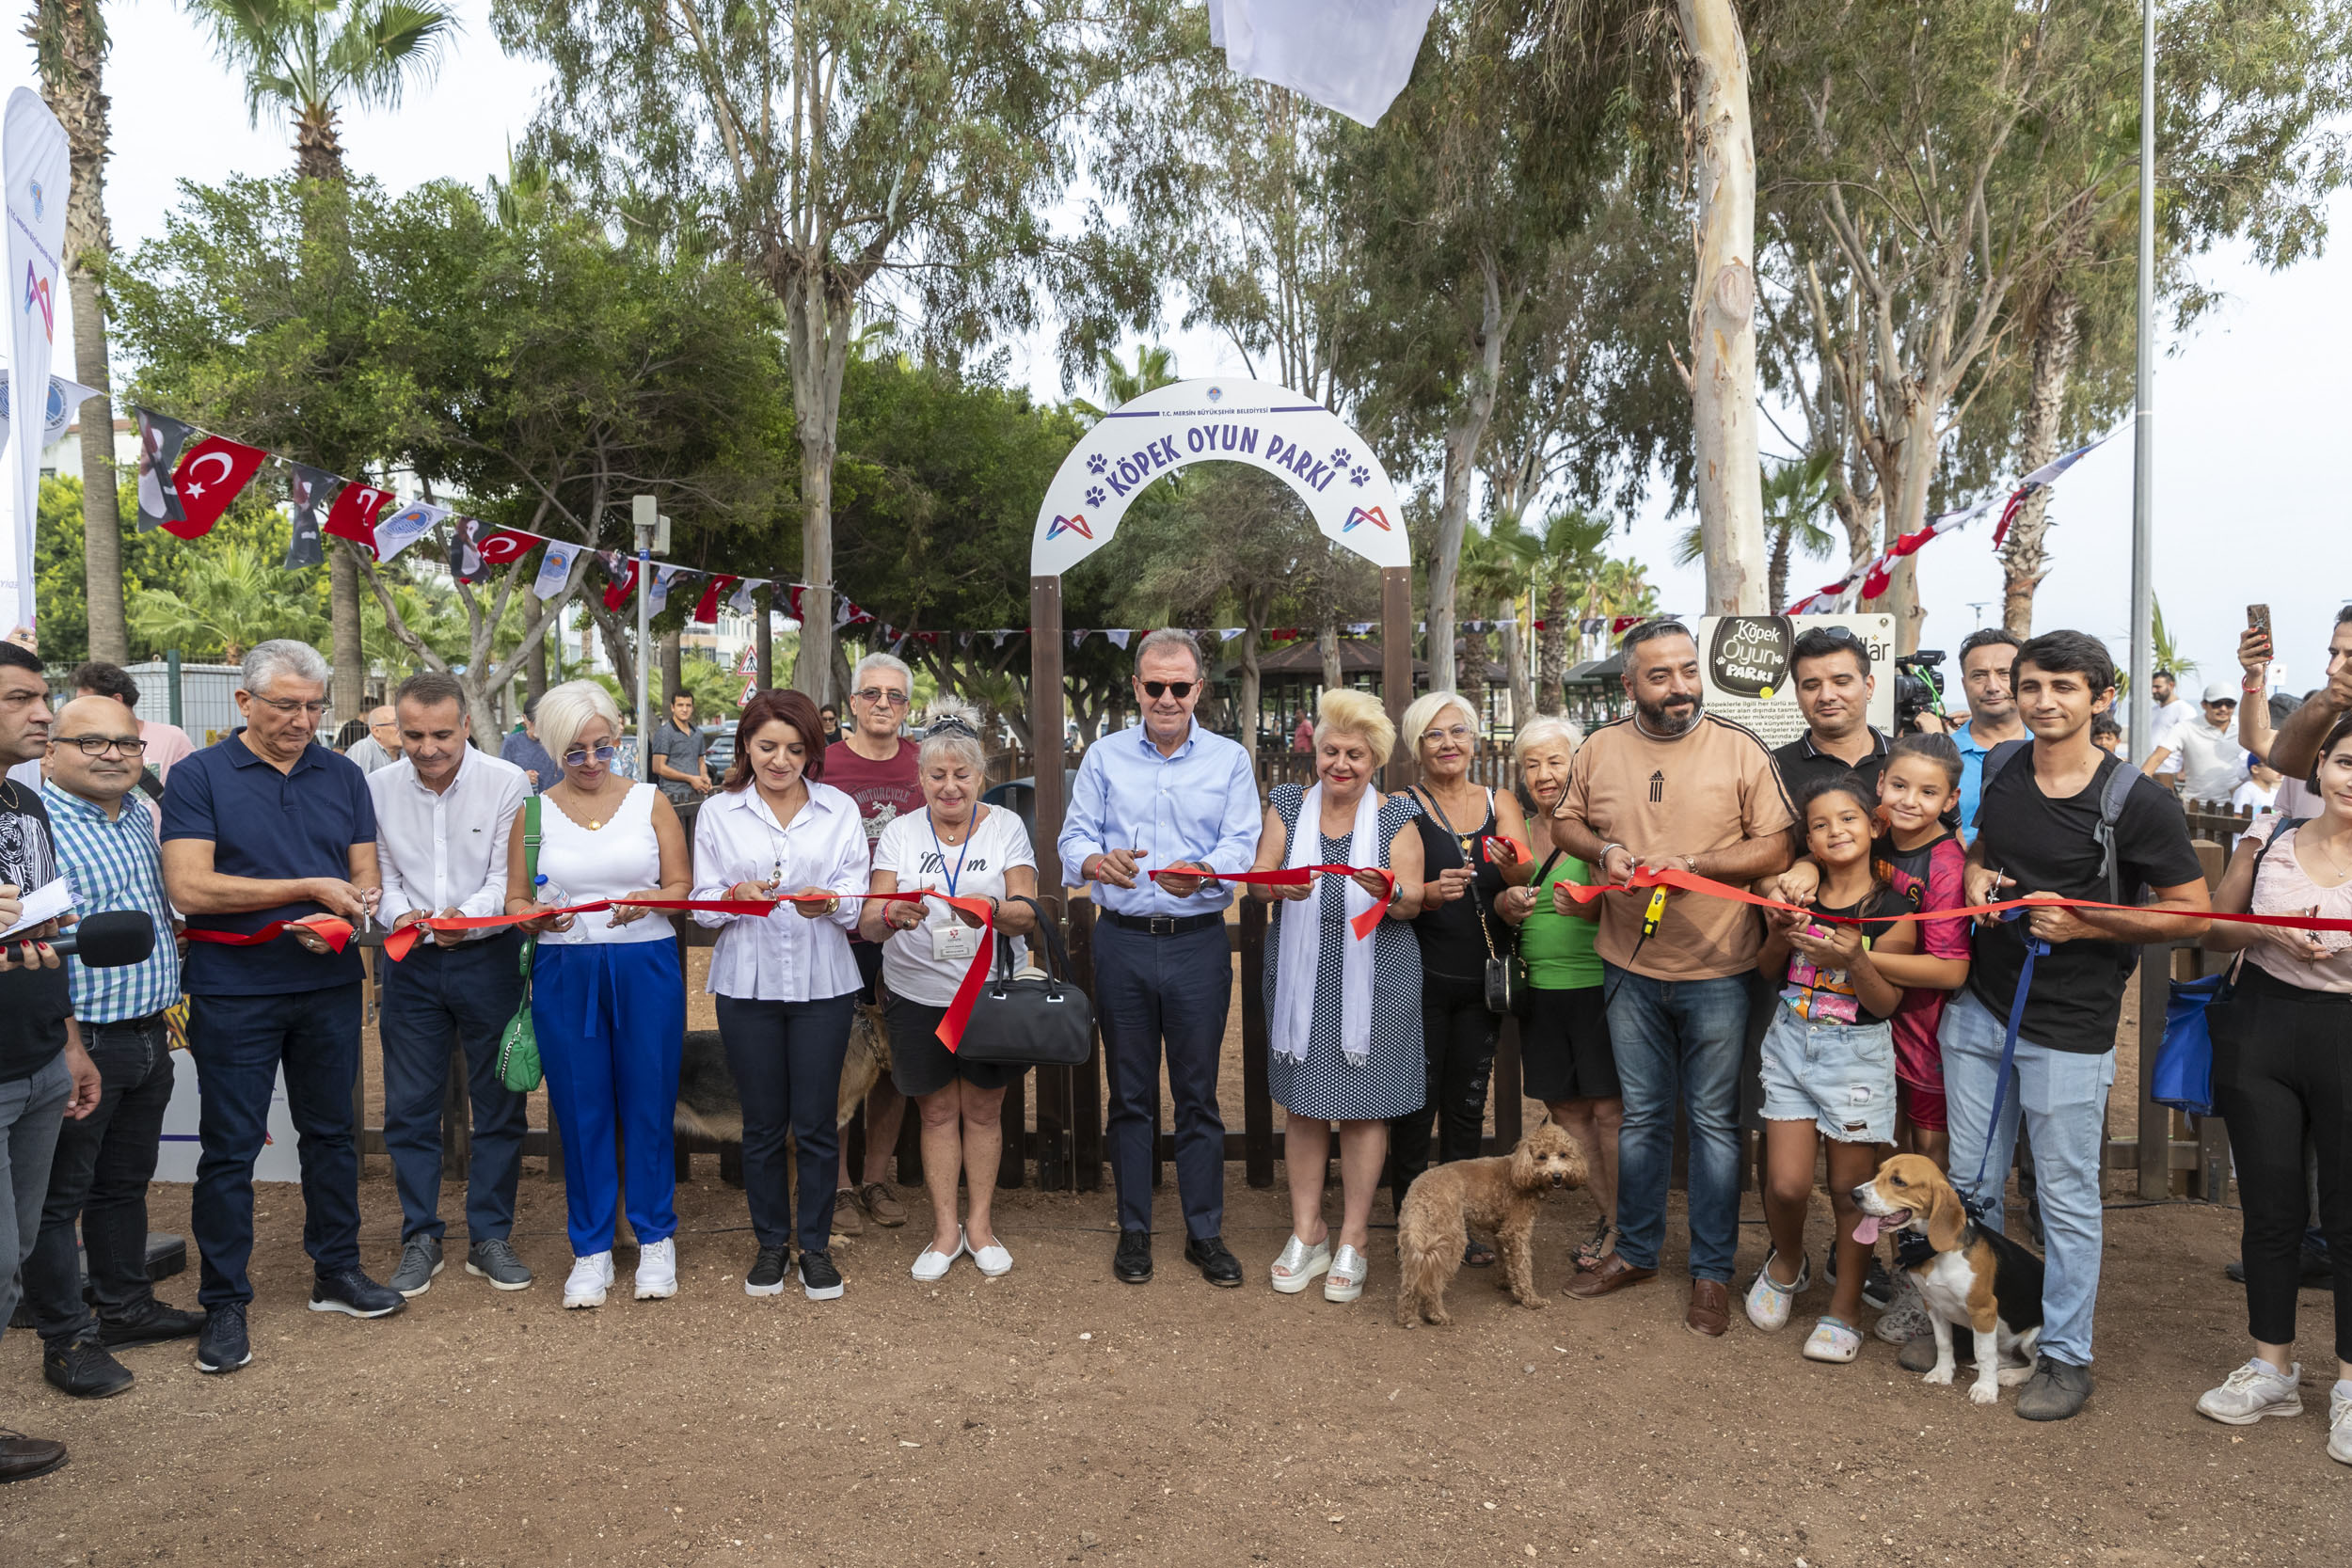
[[2249, 507]]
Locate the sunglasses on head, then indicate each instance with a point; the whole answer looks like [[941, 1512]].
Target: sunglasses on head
[[1178, 690], [951, 724]]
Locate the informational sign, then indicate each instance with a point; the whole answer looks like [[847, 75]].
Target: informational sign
[[175, 1160], [1310, 448], [1743, 661]]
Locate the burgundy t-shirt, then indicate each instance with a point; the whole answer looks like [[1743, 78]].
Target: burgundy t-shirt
[[884, 791]]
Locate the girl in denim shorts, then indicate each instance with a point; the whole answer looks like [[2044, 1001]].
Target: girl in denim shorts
[[1829, 1061]]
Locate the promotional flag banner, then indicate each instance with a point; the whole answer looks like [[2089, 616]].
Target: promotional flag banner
[[65, 398], [36, 166], [662, 577], [404, 527], [706, 608], [742, 600], [354, 513], [160, 440], [475, 548], [212, 475], [1352, 57], [555, 569], [620, 578], [304, 488], [1119, 639]]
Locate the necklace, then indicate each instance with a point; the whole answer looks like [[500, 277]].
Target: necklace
[[2326, 849]]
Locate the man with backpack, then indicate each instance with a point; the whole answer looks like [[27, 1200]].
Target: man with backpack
[[2059, 818]]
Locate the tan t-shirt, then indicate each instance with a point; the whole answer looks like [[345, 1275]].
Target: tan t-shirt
[[1708, 788]]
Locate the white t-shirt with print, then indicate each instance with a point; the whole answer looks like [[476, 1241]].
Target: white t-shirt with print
[[907, 847]]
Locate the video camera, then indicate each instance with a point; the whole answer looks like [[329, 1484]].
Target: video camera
[[1918, 688]]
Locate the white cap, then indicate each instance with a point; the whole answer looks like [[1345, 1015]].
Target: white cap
[[2220, 691]]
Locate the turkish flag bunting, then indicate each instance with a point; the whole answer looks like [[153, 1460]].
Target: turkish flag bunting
[[620, 580], [1909, 544], [474, 549], [706, 608], [353, 515], [207, 480], [1876, 581]]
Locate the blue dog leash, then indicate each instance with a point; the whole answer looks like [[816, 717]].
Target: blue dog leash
[[2035, 948]]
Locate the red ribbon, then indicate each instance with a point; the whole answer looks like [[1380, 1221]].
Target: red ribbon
[[1300, 875]]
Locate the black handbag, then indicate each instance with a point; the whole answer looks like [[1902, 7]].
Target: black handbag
[[1033, 1017]]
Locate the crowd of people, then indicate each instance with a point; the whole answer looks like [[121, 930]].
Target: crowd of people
[[1414, 922]]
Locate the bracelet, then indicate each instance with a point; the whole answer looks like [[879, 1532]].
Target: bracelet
[[1606, 847]]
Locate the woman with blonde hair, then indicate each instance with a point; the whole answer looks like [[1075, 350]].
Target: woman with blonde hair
[[607, 1000], [1472, 844], [1344, 1011]]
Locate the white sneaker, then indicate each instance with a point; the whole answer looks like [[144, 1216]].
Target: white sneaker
[[932, 1265], [994, 1261], [2252, 1392], [657, 1270], [591, 1276], [2339, 1426]]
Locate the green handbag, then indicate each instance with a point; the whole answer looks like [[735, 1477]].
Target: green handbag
[[518, 1047]]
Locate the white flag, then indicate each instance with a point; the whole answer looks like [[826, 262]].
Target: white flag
[[65, 400], [35, 168], [1120, 638], [555, 568], [662, 577], [1225, 634], [741, 601], [404, 527], [1352, 57]]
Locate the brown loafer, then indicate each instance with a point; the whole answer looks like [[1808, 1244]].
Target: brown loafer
[[881, 1206], [846, 1221], [1615, 1273], [1711, 1308]]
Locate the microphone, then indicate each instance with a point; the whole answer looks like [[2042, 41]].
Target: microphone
[[109, 940]]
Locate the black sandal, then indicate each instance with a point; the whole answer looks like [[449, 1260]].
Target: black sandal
[[1589, 1256], [1477, 1254]]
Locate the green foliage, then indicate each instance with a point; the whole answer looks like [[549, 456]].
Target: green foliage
[[310, 59]]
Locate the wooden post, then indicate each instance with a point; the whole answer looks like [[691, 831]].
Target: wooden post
[[2156, 1121], [1396, 662], [1045, 721], [1257, 1103], [1083, 1084]]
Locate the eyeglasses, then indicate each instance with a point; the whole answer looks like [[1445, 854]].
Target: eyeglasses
[[952, 724], [281, 705], [1178, 690], [1460, 734], [578, 756], [99, 745], [874, 696]]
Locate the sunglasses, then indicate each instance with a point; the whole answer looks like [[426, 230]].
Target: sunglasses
[[580, 756], [1178, 690], [950, 726], [874, 696]]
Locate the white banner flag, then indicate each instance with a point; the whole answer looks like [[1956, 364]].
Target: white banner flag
[[34, 165], [1120, 638], [65, 400], [555, 568], [659, 594], [741, 601], [404, 527]]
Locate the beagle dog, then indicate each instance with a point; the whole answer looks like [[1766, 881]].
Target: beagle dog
[[1971, 1275]]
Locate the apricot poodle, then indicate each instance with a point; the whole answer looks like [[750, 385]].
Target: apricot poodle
[[1498, 1194]]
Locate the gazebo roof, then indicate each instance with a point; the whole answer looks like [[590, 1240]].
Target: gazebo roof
[[1301, 660]]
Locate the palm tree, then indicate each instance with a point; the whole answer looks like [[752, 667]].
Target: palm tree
[[1155, 367], [310, 60], [1568, 557], [1498, 566], [1794, 493], [70, 45], [230, 598]]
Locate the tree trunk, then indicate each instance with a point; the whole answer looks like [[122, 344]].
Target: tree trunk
[[1553, 667], [1473, 675], [671, 671], [1723, 312], [1327, 646], [1515, 667], [1906, 471], [616, 644], [1776, 589], [536, 663], [75, 95], [1464, 433], [764, 637], [2023, 562], [1256, 606], [819, 336], [347, 691]]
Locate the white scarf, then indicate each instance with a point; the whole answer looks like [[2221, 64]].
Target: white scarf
[[1295, 979]]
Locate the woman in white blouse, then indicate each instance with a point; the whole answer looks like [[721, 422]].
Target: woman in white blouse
[[786, 982], [955, 846]]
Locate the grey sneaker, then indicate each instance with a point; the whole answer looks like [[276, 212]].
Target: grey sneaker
[[1907, 1319], [2056, 1391], [2339, 1426], [2252, 1392], [494, 1262], [419, 1260]]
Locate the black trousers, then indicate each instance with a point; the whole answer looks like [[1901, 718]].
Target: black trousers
[[2279, 1076], [99, 1177], [786, 1060], [1459, 1034]]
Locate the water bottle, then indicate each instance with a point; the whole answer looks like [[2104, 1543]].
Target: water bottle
[[548, 894]]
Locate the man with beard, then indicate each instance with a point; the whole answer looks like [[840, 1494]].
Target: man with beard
[[1985, 658], [1673, 787]]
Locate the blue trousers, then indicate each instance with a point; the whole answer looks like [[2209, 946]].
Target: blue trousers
[[786, 1058], [611, 1019], [2062, 1098], [435, 999], [240, 1043], [1678, 1040], [1174, 991]]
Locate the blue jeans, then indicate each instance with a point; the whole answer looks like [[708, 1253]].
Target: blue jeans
[[435, 998], [611, 1019], [1178, 989], [31, 1110], [104, 1164], [2063, 1097], [1679, 1038], [239, 1043]]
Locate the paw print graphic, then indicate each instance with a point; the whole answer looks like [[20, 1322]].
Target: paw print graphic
[[1339, 458], [1094, 495], [1359, 476], [1096, 463]]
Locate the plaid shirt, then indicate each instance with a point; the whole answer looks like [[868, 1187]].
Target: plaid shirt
[[114, 865]]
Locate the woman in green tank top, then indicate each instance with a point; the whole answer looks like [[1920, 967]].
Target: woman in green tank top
[[1564, 1055]]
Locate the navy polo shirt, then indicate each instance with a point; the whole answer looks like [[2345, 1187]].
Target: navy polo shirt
[[276, 827]]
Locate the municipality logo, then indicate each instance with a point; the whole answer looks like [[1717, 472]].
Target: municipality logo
[[1217, 394], [39, 203], [1373, 515], [1076, 525]]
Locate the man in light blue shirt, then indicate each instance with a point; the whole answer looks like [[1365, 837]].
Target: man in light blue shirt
[[1985, 658], [1164, 795]]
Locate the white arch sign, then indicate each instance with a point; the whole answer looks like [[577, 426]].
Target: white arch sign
[[1331, 468]]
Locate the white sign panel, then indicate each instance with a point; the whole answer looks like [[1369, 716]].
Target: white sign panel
[[1743, 661], [1308, 447], [175, 1158], [34, 168]]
